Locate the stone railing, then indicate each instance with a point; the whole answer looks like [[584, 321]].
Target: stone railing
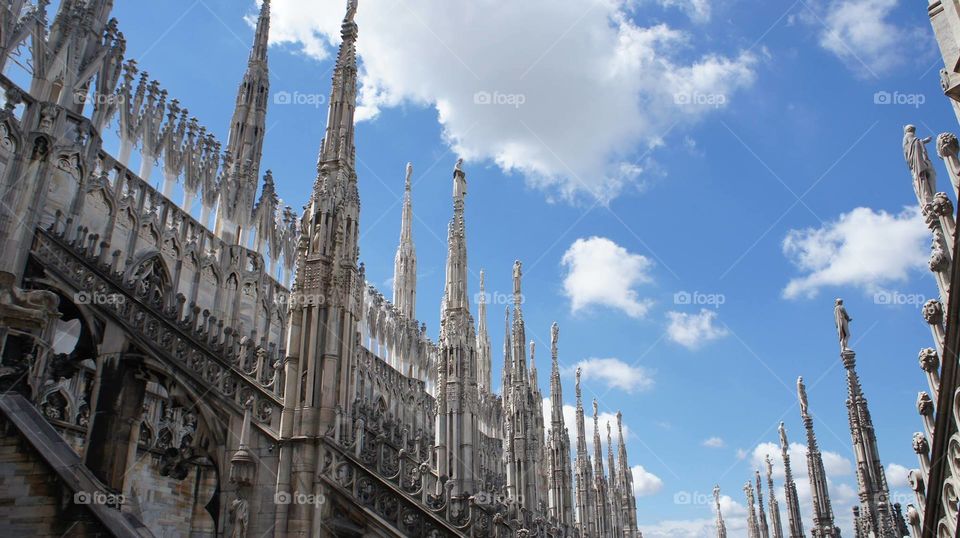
[[209, 355]]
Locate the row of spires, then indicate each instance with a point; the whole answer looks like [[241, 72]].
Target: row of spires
[[874, 516]]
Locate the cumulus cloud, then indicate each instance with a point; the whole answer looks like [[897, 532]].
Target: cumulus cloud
[[600, 272], [694, 330], [573, 107], [863, 34], [863, 248], [644, 482], [614, 373], [697, 10], [897, 476], [714, 442]]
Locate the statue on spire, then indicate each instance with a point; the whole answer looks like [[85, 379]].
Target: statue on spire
[[802, 395], [409, 174], [351, 11], [842, 319], [517, 275], [918, 160]]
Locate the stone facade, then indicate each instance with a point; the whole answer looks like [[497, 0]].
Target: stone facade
[[228, 371]]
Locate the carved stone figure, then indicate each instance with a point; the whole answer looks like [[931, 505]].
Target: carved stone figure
[[802, 396], [33, 307], [842, 320], [240, 515], [915, 153]]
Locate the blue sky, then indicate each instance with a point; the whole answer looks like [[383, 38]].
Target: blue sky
[[633, 150]]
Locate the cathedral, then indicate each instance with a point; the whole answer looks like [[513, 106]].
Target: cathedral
[[218, 365]]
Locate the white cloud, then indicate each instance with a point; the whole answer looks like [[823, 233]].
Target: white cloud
[[897, 476], [614, 373], [833, 464], [644, 482], [694, 330], [596, 88], [862, 34], [698, 10], [602, 273], [863, 248], [714, 442]]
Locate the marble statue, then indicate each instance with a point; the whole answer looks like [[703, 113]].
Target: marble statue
[[918, 160], [842, 319]]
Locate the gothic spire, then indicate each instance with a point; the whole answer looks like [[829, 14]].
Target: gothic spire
[[790, 488], [484, 360], [600, 481], [761, 513], [519, 370], [584, 474], [876, 515], [259, 51], [776, 527], [455, 291], [823, 522], [560, 473], [625, 480], [338, 146], [753, 529], [506, 375], [405, 262], [245, 141], [721, 526]]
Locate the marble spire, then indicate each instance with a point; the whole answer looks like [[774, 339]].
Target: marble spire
[[600, 481], [823, 520], [484, 359], [721, 526], [761, 512], [790, 488], [457, 421], [584, 472], [625, 481], [560, 496], [876, 516], [405, 261], [753, 528], [238, 188], [776, 527]]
